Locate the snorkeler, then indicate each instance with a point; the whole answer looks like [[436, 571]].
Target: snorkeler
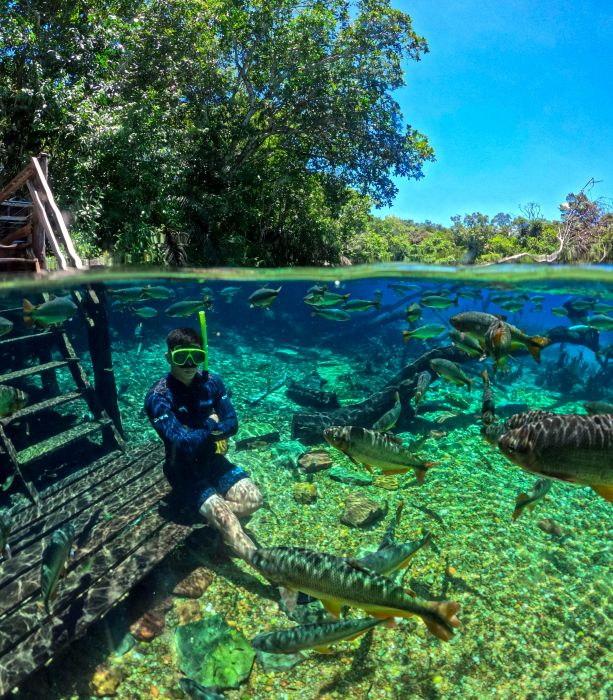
[[191, 412]]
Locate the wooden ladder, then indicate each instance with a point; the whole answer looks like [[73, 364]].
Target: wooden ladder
[[21, 461]]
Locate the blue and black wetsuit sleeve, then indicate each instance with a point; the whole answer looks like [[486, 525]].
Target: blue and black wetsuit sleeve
[[228, 422], [185, 444]]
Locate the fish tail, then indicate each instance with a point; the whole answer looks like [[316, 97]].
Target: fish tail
[[443, 619], [406, 335], [420, 474], [520, 503], [537, 343], [604, 491], [28, 307]]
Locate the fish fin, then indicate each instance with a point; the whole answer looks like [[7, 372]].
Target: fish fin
[[420, 475], [28, 307], [604, 491], [327, 649], [411, 592], [537, 343], [368, 468], [332, 606], [357, 564], [400, 470], [520, 504], [406, 335], [446, 610]]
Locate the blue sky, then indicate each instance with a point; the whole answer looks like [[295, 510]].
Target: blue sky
[[516, 97]]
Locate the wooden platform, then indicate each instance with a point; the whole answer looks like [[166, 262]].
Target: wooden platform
[[122, 532]]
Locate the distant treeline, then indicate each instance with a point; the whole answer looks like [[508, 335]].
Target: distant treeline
[[253, 133]]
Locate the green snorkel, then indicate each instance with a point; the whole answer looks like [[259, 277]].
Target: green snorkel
[[205, 342]]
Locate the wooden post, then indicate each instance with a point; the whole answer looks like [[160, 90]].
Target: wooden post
[[94, 303], [38, 231]]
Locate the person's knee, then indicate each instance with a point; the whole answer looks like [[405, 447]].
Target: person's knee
[[254, 498], [212, 506]]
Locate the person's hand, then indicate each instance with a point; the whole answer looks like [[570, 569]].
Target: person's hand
[[215, 417]]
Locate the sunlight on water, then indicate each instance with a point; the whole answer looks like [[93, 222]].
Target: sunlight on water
[[532, 576]]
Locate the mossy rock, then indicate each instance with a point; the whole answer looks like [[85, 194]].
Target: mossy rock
[[213, 654]]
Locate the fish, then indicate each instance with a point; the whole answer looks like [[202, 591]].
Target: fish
[[550, 527], [264, 297], [338, 582], [488, 409], [55, 556], [145, 312], [187, 307], [375, 449], [423, 383], [466, 343], [579, 328], [581, 304], [228, 293], [401, 290], [318, 289], [498, 342], [318, 636], [156, 292], [452, 372], [478, 322], [512, 305], [430, 330], [598, 407], [393, 557], [559, 311], [11, 400], [56, 310], [438, 301], [529, 501], [389, 419], [356, 305], [6, 326], [602, 308], [199, 692], [126, 293], [430, 513], [389, 537], [325, 299], [568, 447], [600, 322], [331, 314], [414, 312], [5, 532]]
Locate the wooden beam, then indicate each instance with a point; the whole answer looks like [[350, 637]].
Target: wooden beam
[[38, 232], [17, 182], [22, 232], [19, 265], [55, 212], [44, 220]]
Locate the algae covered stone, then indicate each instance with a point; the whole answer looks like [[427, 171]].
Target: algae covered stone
[[315, 461], [304, 492], [361, 510], [213, 654], [349, 477]]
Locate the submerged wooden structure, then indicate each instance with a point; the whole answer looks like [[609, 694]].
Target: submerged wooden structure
[[63, 455]]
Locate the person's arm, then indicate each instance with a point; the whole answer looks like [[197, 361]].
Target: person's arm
[[228, 422], [187, 443]]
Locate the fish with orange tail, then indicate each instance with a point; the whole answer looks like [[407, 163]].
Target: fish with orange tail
[[337, 581], [374, 449]]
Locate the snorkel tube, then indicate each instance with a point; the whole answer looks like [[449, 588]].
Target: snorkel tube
[[205, 342]]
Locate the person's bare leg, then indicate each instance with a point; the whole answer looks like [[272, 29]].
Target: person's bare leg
[[244, 498], [220, 516]]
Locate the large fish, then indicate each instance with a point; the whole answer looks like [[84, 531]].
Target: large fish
[[567, 447], [55, 556], [331, 314], [338, 582], [430, 330], [11, 400], [423, 382], [57, 310], [451, 371], [439, 301], [264, 297], [187, 307], [5, 531], [325, 299], [393, 557], [389, 419], [155, 292], [6, 326], [318, 636], [466, 343], [355, 305], [478, 322], [375, 449], [498, 342], [598, 407]]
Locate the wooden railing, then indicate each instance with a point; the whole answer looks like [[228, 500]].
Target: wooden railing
[[24, 248]]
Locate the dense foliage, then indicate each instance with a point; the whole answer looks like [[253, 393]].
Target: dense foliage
[[217, 131], [260, 132]]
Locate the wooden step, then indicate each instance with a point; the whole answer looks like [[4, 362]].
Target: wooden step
[[37, 369], [44, 335], [43, 406], [60, 441]]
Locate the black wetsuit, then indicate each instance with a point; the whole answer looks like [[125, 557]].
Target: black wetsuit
[[180, 415]]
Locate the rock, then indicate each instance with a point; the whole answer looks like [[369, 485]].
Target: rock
[[361, 510], [304, 492], [151, 624], [349, 477], [386, 481], [314, 461], [105, 681], [279, 662], [213, 654], [188, 611], [194, 584]]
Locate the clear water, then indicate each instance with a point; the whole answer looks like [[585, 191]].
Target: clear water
[[536, 601]]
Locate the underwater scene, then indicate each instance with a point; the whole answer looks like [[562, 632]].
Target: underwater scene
[[378, 483]]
